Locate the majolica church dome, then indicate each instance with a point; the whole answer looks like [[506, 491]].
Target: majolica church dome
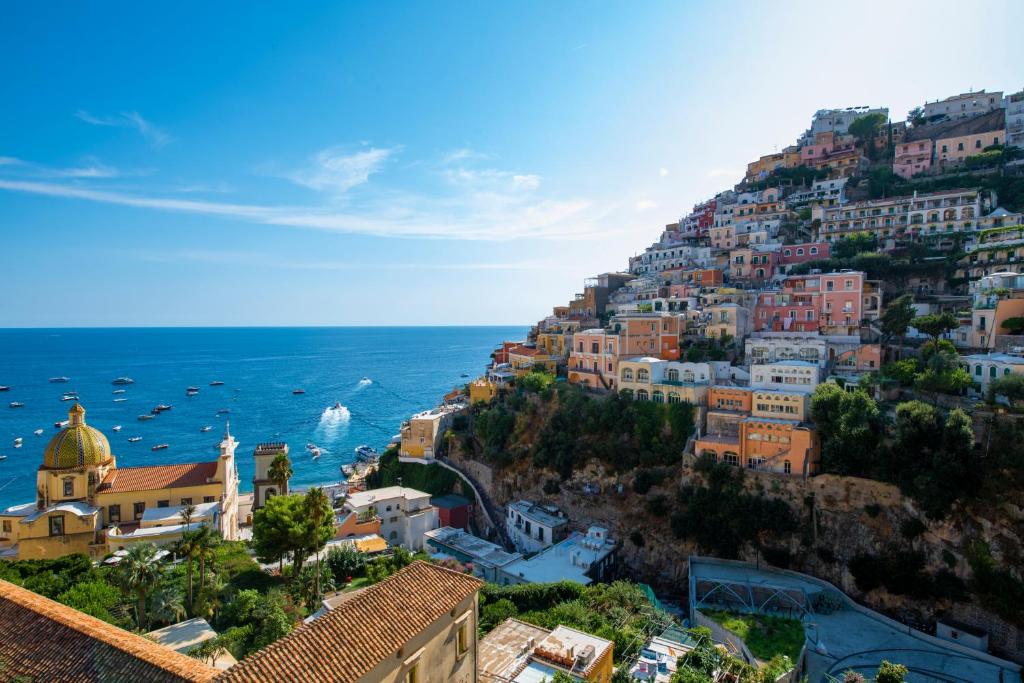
[[77, 445]]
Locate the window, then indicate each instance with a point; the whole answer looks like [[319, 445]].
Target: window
[[960, 147], [138, 509], [393, 520], [69, 487], [461, 640], [814, 250], [186, 501], [992, 372], [787, 467], [163, 503], [207, 499], [113, 514], [413, 674], [7, 526], [977, 144], [57, 525]]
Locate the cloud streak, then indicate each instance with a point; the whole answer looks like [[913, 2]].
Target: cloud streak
[[334, 170], [479, 216], [156, 136]]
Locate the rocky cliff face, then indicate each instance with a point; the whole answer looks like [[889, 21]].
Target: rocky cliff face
[[841, 518]]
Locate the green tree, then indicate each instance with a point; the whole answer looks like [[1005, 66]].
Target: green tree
[[206, 541], [345, 562], [865, 129], [278, 528], [320, 527], [188, 548], [164, 605], [96, 598], [1010, 386], [850, 425], [1014, 325], [891, 673], [138, 573], [187, 512], [897, 316], [280, 471], [252, 620], [935, 324]]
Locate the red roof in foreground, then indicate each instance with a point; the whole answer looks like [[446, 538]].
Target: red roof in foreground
[[158, 477], [46, 641], [523, 351]]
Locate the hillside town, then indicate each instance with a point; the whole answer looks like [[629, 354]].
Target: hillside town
[[849, 316]]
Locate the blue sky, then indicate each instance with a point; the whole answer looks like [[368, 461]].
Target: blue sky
[[411, 163]]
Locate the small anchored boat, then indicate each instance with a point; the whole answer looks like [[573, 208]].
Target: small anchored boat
[[60, 425], [143, 418], [116, 428], [38, 432], [59, 380], [133, 439], [120, 381], [160, 447], [365, 453], [298, 391], [216, 383], [17, 442], [206, 428], [16, 404], [119, 391], [120, 400], [4, 388], [69, 397]]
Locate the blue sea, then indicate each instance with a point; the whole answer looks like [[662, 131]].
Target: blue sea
[[378, 377]]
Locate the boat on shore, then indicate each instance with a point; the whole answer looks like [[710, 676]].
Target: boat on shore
[[134, 439], [160, 447], [120, 381], [59, 380], [16, 404], [365, 453]]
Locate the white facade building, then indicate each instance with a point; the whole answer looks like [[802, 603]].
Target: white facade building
[[1015, 119], [405, 514], [786, 375], [583, 558], [964, 105], [985, 367], [837, 120], [533, 527]]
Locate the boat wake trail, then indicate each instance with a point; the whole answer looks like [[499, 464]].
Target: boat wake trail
[[363, 383], [333, 421]]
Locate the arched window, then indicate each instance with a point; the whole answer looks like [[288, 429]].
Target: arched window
[[688, 376], [393, 535], [69, 487], [658, 397], [992, 372], [627, 374], [643, 375], [674, 397], [642, 395], [673, 375], [731, 458], [977, 370]]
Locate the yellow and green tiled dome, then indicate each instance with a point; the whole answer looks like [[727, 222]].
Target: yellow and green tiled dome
[[77, 444]]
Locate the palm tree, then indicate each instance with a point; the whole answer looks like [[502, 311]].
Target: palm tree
[[317, 507], [187, 547], [165, 606], [138, 572], [280, 472], [206, 542], [188, 511]]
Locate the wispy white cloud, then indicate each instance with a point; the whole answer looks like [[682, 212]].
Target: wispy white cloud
[[158, 137], [87, 168], [476, 216], [335, 170], [663, 171], [10, 161], [274, 261]]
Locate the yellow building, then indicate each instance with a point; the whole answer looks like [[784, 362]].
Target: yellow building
[[663, 381], [85, 502], [424, 432], [482, 390]]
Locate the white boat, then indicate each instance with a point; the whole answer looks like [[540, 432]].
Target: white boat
[[133, 439], [315, 452], [206, 428], [145, 417], [120, 400], [60, 425], [216, 383], [59, 380], [38, 432], [310, 446], [116, 428], [160, 447], [16, 404], [123, 381], [69, 397], [118, 391], [365, 453], [3, 457], [17, 442]]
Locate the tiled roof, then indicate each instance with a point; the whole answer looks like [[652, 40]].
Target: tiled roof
[[158, 477], [523, 351], [348, 642], [46, 641], [982, 123]]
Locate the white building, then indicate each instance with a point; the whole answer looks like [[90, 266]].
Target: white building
[[533, 527], [405, 514], [985, 367], [786, 375], [580, 558], [964, 105], [487, 559], [830, 191], [1014, 104], [837, 120]]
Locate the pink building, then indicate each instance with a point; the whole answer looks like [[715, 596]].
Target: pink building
[[794, 308], [752, 264], [594, 359], [792, 254], [833, 303], [842, 300], [912, 157]]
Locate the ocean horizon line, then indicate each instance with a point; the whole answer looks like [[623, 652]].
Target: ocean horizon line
[[256, 327]]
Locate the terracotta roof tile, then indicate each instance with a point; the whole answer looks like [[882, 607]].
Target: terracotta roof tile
[[349, 641], [46, 641], [158, 477], [523, 351]]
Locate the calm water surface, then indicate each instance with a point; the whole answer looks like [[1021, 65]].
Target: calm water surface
[[379, 376]]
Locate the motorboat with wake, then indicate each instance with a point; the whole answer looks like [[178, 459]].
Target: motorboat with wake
[[16, 404], [123, 381], [366, 453]]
